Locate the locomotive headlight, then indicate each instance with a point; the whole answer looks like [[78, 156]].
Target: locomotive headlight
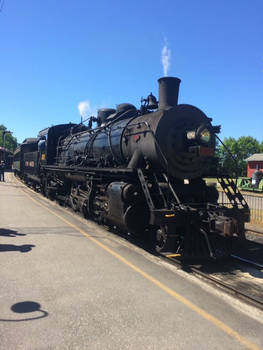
[[201, 135], [205, 135], [191, 135]]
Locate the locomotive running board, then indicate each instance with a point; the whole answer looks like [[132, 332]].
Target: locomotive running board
[[89, 170]]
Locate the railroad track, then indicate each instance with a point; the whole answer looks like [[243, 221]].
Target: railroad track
[[254, 231], [229, 287], [246, 261]]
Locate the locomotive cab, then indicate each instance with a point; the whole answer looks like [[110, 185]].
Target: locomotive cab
[[48, 142]]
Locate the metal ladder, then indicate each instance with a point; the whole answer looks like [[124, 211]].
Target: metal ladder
[[232, 192], [153, 199]]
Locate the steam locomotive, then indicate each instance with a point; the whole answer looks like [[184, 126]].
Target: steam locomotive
[[140, 171]]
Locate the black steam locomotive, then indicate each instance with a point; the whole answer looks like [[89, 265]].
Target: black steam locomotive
[[140, 171]]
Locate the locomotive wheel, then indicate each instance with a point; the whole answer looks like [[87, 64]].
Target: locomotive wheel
[[84, 209], [46, 191], [73, 203], [44, 188], [162, 241], [73, 198], [86, 206]]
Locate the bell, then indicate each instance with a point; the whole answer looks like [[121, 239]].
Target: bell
[[152, 102]]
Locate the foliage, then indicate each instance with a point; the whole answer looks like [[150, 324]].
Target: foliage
[[10, 140], [235, 163]]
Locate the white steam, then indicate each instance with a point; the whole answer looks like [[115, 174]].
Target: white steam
[[84, 109], [166, 57]]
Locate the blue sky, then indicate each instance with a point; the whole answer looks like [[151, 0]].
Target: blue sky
[[56, 54]]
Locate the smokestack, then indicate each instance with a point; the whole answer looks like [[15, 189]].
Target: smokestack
[[168, 92]]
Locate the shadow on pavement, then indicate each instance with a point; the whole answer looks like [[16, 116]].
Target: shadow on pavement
[[20, 248], [10, 233], [26, 307], [248, 249]]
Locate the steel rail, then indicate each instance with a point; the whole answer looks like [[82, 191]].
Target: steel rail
[[215, 281], [249, 262], [254, 231]]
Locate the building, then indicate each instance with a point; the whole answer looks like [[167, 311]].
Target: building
[[254, 162]]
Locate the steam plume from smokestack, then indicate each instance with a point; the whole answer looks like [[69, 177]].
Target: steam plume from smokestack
[[84, 108], [166, 57]]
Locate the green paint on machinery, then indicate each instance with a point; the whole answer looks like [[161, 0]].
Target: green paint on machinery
[[245, 184]]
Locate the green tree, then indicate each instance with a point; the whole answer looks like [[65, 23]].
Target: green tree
[[10, 140], [242, 148]]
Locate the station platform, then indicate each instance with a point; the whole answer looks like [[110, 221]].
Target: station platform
[[66, 283]]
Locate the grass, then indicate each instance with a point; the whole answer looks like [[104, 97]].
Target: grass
[[256, 216]]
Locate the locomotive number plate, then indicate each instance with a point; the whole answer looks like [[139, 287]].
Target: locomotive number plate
[[206, 152]]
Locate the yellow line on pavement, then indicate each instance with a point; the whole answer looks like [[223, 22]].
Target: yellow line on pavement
[[159, 284]]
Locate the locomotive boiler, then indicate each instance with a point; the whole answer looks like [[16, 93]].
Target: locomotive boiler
[[141, 171], [175, 138]]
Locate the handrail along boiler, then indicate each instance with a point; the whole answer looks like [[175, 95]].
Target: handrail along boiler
[[141, 171]]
